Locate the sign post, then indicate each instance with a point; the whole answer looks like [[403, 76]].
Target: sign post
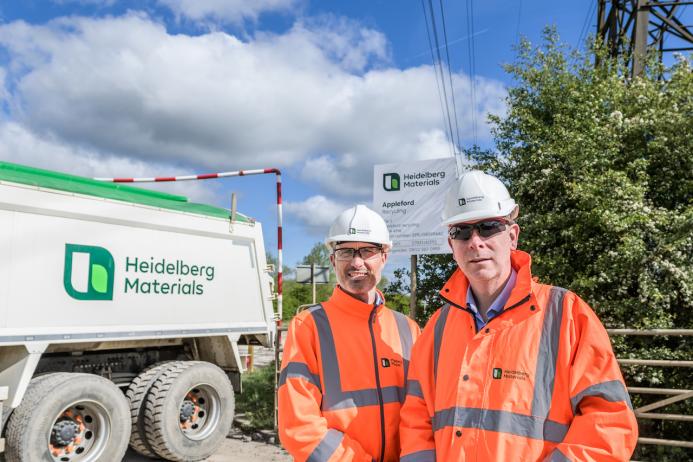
[[313, 275]]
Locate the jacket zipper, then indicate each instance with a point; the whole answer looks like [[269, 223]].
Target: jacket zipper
[[377, 385]]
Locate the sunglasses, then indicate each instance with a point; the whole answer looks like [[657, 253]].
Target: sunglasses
[[365, 253], [485, 228]]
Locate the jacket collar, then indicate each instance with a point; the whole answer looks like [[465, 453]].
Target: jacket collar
[[455, 289], [345, 302]]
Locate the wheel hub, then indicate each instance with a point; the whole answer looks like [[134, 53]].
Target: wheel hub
[[64, 432], [187, 409]]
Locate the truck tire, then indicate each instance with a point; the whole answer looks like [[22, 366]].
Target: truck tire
[[69, 416], [137, 395], [189, 411], [7, 412]]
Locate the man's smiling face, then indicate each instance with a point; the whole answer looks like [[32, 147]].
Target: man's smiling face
[[357, 275]]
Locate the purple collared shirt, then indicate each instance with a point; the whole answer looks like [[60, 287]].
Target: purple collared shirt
[[496, 307]]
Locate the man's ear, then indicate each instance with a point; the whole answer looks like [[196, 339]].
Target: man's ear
[[332, 260], [514, 235]]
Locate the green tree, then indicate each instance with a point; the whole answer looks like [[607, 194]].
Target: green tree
[[319, 255], [602, 167], [296, 295]]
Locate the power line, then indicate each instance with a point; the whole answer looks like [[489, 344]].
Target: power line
[[435, 69], [472, 65], [442, 74], [586, 23], [452, 90]]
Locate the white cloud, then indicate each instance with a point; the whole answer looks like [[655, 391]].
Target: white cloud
[[19, 145], [322, 96], [233, 11], [316, 213]]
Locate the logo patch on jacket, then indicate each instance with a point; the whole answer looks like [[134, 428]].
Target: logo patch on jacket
[[499, 373], [387, 362]]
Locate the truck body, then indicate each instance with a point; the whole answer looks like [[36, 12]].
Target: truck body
[[109, 280]]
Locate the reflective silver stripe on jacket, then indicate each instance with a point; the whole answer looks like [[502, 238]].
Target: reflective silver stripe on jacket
[[613, 391], [545, 373], [438, 336], [501, 422], [327, 446], [405, 341], [298, 370], [557, 456], [414, 388], [333, 396], [427, 455]]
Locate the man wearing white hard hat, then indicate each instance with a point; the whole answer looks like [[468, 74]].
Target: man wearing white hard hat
[[508, 368], [346, 360]]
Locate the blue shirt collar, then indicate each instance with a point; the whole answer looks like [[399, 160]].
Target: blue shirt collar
[[498, 304]]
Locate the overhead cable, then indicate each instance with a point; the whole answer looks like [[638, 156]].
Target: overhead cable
[[435, 69], [472, 65], [452, 89], [442, 73]]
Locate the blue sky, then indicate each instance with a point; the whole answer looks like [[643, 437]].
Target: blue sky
[[322, 90]]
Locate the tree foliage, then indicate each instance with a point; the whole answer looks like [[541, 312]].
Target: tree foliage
[[602, 167]]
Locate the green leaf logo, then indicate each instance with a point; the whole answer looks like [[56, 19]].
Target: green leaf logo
[[391, 181], [88, 273]]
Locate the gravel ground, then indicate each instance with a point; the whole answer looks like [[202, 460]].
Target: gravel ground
[[235, 450]]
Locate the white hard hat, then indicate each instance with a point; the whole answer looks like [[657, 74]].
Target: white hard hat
[[475, 196], [359, 224]]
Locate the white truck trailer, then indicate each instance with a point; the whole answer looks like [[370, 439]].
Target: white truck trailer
[[121, 312]]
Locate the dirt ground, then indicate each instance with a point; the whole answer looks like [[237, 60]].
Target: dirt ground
[[235, 450]]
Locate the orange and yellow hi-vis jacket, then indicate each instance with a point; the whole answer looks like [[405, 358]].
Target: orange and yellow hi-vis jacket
[[343, 381], [539, 382]]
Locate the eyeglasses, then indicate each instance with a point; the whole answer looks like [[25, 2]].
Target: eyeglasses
[[486, 228], [365, 253]]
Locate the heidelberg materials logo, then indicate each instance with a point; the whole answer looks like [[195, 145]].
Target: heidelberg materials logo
[[391, 181], [497, 372], [89, 272]]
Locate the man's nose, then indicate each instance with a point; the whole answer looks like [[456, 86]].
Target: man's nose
[[475, 240], [357, 260]]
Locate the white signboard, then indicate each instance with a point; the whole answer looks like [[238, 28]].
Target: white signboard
[[410, 196]]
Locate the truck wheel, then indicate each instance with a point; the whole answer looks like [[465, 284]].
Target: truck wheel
[[189, 411], [67, 417], [137, 394]]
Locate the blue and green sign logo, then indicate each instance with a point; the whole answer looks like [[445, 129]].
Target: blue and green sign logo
[[89, 272], [497, 372], [391, 181]]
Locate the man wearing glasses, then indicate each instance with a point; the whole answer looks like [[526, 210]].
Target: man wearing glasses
[[510, 369], [345, 361]]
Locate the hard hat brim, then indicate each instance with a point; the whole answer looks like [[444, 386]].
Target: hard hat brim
[[476, 215], [332, 240]]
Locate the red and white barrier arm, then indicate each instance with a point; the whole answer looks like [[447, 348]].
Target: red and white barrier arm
[[211, 176]]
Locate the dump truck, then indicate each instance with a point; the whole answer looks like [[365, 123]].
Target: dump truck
[[121, 314]]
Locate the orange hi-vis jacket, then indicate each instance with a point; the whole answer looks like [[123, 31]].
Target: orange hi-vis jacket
[[343, 381], [539, 382]]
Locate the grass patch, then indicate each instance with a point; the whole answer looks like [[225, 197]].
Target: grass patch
[[257, 399]]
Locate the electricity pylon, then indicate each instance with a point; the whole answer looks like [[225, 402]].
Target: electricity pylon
[[634, 27]]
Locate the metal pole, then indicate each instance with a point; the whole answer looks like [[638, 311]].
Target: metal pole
[[251, 358], [640, 37], [412, 288], [312, 281]]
